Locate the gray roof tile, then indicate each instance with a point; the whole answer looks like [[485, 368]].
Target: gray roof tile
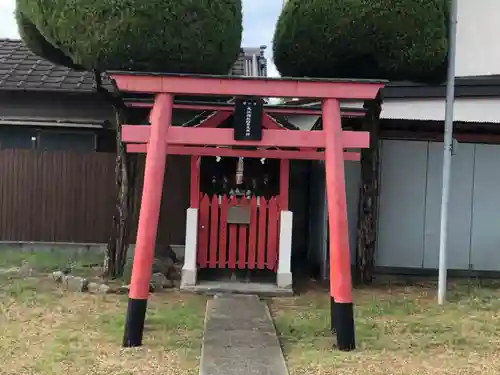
[[20, 69]]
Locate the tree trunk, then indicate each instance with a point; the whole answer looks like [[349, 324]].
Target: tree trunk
[[368, 202], [115, 256], [116, 253]]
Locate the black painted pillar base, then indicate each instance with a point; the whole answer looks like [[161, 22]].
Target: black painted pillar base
[[333, 315], [343, 322], [134, 323]]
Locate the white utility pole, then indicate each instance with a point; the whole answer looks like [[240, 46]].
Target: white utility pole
[[448, 146]]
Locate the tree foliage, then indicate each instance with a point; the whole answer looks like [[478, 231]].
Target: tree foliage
[[170, 36], [174, 36], [386, 39]]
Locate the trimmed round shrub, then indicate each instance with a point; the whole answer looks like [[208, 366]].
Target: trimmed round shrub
[[38, 45], [172, 36], [386, 39]]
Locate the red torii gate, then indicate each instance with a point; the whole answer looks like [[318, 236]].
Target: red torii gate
[[160, 139]]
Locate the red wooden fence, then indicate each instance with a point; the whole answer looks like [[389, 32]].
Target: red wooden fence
[[238, 246]]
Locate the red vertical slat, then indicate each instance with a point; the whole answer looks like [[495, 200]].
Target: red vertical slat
[[233, 244], [261, 252], [272, 234], [214, 231], [223, 232], [242, 239], [203, 231], [242, 246], [252, 238]]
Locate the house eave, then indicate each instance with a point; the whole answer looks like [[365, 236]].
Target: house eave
[[473, 86], [52, 122]]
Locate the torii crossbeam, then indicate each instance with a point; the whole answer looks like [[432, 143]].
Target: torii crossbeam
[[160, 139]]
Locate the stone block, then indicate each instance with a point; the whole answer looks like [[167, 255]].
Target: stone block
[[98, 288], [160, 281], [58, 276], [75, 283]]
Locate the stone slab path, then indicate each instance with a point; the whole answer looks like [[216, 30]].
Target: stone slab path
[[240, 338]]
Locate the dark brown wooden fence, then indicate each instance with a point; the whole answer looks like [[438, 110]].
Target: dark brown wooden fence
[[65, 196]]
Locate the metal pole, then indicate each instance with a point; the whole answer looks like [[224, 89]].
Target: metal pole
[[448, 145]]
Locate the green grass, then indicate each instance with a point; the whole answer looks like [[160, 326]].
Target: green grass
[[47, 261], [46, 330], [399, 330], [81, 264]]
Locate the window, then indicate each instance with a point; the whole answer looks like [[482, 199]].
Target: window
[[15, 137], [70, 141]]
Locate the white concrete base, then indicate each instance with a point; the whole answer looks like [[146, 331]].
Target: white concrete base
[[236, 287], [188, 278], [284, 278], [189, 270]]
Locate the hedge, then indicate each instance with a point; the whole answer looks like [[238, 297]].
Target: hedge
[[175, 36], [386, 39]]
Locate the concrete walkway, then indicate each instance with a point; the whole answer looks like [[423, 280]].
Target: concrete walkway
[[240, 338]]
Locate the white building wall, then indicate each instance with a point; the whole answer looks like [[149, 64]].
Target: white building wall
[[466, 109], [477, 51]]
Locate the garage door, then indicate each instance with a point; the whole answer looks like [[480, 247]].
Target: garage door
[[410, 204]]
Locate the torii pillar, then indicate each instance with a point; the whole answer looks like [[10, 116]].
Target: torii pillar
[[156, 159], [340, 264]]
